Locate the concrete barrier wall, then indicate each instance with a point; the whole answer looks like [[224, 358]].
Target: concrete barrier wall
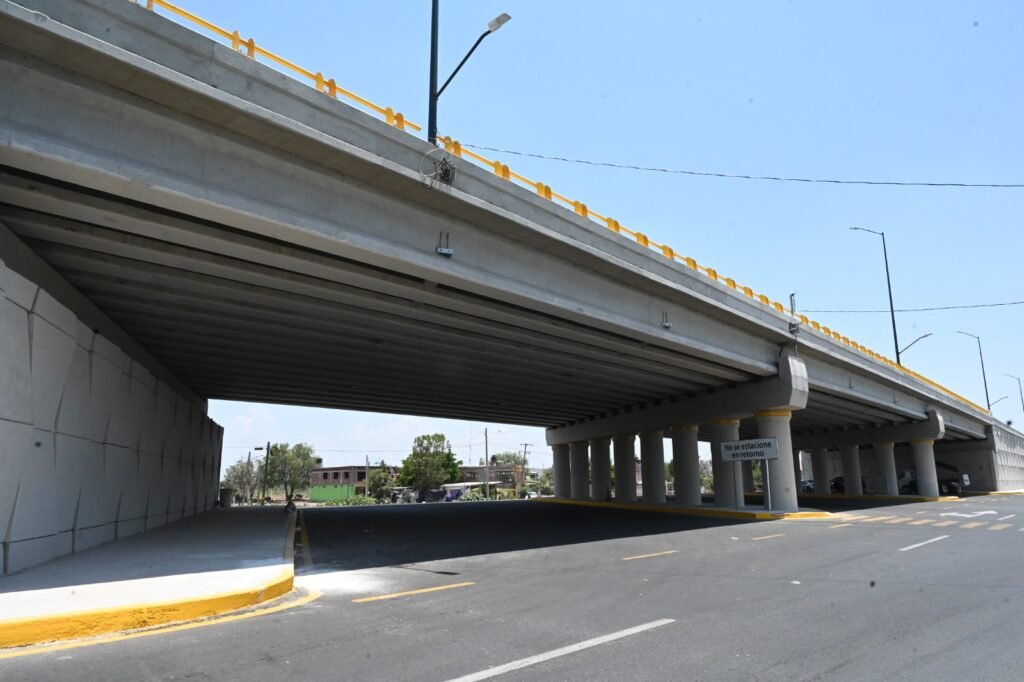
[[1009, 458], [93, 447]]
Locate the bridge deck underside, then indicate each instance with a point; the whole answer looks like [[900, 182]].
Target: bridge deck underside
[[240, 317]]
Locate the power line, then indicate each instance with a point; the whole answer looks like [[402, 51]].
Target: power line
[[740, 176], [925, 310]]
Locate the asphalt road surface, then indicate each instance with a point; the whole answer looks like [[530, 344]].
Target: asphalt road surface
[[531, 590]]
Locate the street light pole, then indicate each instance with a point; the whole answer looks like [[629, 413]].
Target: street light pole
[[1019, 389], [435, 92], [923, 336], [888, 281], [984, 378]]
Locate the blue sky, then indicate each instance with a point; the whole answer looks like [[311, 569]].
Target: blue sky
[[916, 91]]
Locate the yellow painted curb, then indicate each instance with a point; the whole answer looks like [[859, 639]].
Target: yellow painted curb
[[691, 511], [78, 625]]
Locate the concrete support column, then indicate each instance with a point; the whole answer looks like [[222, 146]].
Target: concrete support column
[[851, 470], [886, 460], [686, 465], [924, 464], [819, 462], [600, 469], [560, 470], [652, 463], [579, 470], [783, 488], [748, 476], [724, 473], [625, 468]]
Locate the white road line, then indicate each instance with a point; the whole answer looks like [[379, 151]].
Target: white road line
[[564, 651], [1008, 516], [922, 544]]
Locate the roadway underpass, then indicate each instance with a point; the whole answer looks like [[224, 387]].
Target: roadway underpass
[[178, 223]]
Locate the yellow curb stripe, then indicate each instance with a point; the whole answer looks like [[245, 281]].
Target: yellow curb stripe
[[999, 526], [396, 595], [159, 630], [648, 556], [691, 511], [97, 622], [25, 631], [945, 524], [768, 537], [921, 522], [875, 519], [974, 524]]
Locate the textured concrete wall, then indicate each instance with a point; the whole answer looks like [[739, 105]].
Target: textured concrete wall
[[93, 447], [1009, 459]]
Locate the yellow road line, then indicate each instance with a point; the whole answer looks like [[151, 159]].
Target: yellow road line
[[769, 537], [999, 526], [396, 595], [108, 639], [974, 524], [307, 558], [841, 525], [921, 522], [900, 519], [874, 519], [648, 556], [944, 524]]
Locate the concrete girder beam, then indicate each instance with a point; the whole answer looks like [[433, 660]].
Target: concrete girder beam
[[786, 390], [932, 428]]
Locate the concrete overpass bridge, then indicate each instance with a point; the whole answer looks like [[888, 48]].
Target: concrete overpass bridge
[[180, 222]]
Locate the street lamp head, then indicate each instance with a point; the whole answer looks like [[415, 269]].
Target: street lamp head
[[497, 22], [864, 229]]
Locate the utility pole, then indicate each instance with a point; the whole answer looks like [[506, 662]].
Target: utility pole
[[526, 447], [487, 468], [248, 464], [266, 474]]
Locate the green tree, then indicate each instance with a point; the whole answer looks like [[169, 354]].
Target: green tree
[[430, 464], [508, 459], [290, 467], [707, 480], [380, 484], [241, 477]]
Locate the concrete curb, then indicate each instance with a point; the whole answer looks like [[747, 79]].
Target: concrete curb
[[48, 629], [692, 511]]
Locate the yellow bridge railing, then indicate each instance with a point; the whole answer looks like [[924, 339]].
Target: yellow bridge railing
[[329, 87], [249, 47]]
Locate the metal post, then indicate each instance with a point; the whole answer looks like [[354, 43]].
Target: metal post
[[767, 486], [984, 378], [892, 308], [432, 113], [487, 468], [1019, 389]]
